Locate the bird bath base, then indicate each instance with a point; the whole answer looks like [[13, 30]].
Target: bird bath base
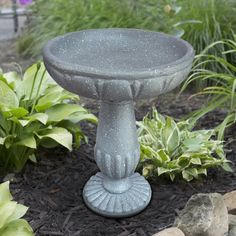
[[100, 199], [117, 191]]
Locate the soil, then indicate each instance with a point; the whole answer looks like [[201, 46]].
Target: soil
[[52, 188]]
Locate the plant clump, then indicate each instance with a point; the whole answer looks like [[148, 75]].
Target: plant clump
[[173, 149], [35, 111]]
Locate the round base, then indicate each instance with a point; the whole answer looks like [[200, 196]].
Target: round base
[[117, 205]]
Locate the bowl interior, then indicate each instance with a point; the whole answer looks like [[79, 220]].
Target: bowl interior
[[117, 50]]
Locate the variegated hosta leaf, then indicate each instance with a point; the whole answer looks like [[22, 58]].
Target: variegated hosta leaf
[[173, 149]]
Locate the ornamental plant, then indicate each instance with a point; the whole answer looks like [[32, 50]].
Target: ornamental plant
[[222, 92], [11, 212], [173, 149], [35, 111]]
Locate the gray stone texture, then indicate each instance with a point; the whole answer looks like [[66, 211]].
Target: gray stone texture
[[117, 66], [204, 215]]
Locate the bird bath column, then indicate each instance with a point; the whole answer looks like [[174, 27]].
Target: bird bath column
[[117, 191]]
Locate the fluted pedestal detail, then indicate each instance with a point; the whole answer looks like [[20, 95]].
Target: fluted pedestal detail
[[117, 191]]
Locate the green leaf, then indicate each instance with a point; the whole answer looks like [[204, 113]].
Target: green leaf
[[164, 157], [162, 170], [187, 176], [7, 96], [6, 210], [32, 157], [54, 94], [227, 167], [81, 116], [42, 117], [62, 111], [18, 227], [16, 112], [13, 79], [196, 161], [27, 141], [5, 194], [19, 211], [60, 135], [34, 83]]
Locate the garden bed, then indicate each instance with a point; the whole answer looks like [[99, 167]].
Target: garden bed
[[53, 187]]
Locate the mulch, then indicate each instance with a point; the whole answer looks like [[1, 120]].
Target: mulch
[[53, 187]]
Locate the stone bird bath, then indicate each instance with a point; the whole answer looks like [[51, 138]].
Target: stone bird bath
[[117, 66]]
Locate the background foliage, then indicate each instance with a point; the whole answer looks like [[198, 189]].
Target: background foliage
[[199, 22]]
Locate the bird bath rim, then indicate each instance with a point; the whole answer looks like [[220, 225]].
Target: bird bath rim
[[145, 73]]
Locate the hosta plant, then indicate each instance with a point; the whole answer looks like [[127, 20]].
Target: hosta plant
[[173, 149], [35, 111], [11, 212]]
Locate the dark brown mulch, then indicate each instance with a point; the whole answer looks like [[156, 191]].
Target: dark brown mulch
[[53, 188]]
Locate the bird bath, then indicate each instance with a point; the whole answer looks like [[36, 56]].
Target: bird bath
[[117, 66]]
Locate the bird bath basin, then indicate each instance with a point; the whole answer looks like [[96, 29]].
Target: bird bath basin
[[117, 66]]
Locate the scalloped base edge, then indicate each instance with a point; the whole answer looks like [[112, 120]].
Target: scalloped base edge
[[117, 205]]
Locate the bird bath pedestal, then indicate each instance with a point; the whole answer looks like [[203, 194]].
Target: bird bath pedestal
[[117, 66]]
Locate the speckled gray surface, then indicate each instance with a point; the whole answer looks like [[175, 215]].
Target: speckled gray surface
[[117, 66]]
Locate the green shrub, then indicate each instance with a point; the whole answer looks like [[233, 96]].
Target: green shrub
[[173, 149], [35, 111], [222, 94], [218, 22], [11, 212], [56, 17]]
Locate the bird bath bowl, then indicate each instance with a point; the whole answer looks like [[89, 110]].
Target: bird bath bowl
[[117, 66]]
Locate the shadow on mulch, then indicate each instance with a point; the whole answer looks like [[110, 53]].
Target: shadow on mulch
[[53, 188]]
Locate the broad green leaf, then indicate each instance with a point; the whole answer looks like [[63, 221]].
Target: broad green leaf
[[192, 144], [6, 210], [19, 211], [18, 227], [13, 79], [202, 171], [81, 116], [27, 141], [162, 170], [54, 95], [7, 96], [62, 111], [187, 176], [196, 161], [34, 82], [42, 117], [60, 135], [32, 157], [164, 157], [9, 140], [227, 167], [48, 143], [183, 161], [16, 112], [5, 194], [75, 130]]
